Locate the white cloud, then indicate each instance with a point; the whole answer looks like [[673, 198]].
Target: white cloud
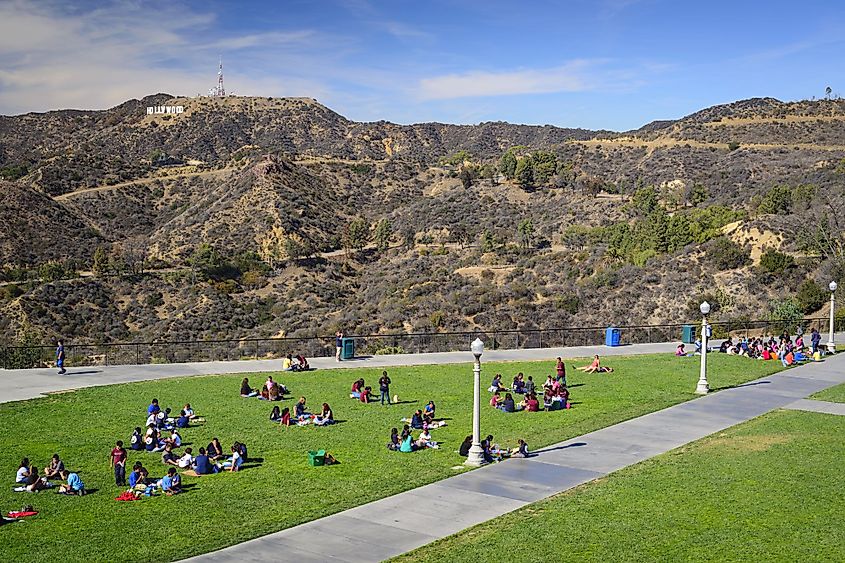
[[571, 77]]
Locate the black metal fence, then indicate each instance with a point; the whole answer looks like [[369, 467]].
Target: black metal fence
[[124, 353]]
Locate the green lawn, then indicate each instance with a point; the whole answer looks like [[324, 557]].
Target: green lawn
[[282, 490], [833, 394], [771, 489]]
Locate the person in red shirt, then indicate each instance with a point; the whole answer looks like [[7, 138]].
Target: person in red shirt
[[532, 404], [118, 461]]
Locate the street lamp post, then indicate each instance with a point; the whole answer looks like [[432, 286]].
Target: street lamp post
[[831, 345], [475, 457], [703, 387]]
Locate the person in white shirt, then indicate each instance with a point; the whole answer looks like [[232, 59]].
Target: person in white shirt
[[187, 460]]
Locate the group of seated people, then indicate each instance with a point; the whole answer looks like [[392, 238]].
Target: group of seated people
[[425, 418], [554, 397], [29, 479], [270, 391], [784, 349], [406, 443], [492, 452], [301, 416], [295, 364]]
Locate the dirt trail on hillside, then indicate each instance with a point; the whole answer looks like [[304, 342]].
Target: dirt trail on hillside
[[147, 180]]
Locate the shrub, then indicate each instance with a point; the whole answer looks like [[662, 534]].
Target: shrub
[[789, 312], [388, 350], [777, 201], [774, 262], [725, 254]]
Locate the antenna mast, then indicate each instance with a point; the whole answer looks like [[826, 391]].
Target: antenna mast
[[219, 90]]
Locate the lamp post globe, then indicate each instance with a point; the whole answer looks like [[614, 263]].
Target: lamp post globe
[[702, 388], [475, 458], [831, 345]]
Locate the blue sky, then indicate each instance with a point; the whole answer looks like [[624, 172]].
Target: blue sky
[[614, 64]]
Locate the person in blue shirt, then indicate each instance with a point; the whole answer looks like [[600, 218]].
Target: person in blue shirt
[[171, 483], [74, 485], [60, 357], [203, 465], [138, 476], [153, 408]]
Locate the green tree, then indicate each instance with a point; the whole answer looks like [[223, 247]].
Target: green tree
[[777, 201], [488, 242], [789, 311], [507, 165], [100, 267], [356, 235], [697, 195], [811, 296], [526, 232], [467, 175], [382, 234], [679, 233], [545, 166], [525, 173], [51, 271], [657, 228], [645, 200]]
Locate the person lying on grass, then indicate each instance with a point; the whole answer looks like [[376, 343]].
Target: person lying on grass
[[74, 485], [171, 483], [23, 471], [246, 390], [55, 468], [595, 367]]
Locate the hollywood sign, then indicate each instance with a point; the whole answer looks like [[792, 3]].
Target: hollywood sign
[[152, 110]]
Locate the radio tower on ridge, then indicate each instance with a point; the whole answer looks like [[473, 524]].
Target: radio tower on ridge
[[218, 90]]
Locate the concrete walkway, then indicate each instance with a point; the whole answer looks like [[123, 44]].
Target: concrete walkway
[[403, 522], [17, 385], [810, 405]]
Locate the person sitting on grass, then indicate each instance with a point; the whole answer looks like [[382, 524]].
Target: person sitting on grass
[[183, 421], [548, 400], [138, 477], [531, 403], [521, 450], [153, 408], [189, 412], [563, 396], [394, 443], [284, 419], [299, 409], [203, 464], [187, 459], [23, 471], [136, 441], [357, 387], [246, 390], [287, 363], [274, 392], [367, 395], [489, 449], [425, 441], [171, 483], [152, 441], [276, 414], [234, 463], [550, 381], [74, 485], [508, 404], [175, 439], [495, 400], [55, 468], [679, 351], [518, 385], [168, 457], [429, 409], [417, 420], [33, 482], [465, 446], [214, 450], [595, 367], [496, 384], [407, 444], [325, 417]]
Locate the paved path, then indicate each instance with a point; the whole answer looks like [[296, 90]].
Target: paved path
[[818, 406], [397, 524], [17, 385]]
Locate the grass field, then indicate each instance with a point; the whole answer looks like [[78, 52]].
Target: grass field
[[280, 489], [833, 394], [771, 489]]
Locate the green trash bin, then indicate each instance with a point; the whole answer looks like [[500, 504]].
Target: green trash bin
[[347, 349], [688, 334], [316, 458]]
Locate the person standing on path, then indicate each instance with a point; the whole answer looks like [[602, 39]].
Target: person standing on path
[[815, 339], [60, 357], [384, 387], [338, 344]]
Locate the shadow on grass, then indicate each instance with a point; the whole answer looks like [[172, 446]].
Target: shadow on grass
[[547, 450], [575, 385]]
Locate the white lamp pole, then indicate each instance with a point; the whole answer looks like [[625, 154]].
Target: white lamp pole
[[831, 345], [703, 387], [475, 457]]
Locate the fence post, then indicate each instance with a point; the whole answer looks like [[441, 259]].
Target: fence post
[[137, 354]]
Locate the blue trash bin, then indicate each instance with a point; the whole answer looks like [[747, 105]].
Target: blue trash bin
[[347, 349], [611, 336]]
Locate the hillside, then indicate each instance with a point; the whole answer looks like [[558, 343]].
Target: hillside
[[238, 218]]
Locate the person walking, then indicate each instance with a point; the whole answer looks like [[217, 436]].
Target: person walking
[[384, 387], [60, 357], [338, 344]]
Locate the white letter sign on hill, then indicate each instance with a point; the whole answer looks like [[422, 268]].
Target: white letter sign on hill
[[151, 110]]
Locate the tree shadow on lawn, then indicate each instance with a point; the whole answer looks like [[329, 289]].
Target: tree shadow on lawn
[[551, 449], [749, 384]]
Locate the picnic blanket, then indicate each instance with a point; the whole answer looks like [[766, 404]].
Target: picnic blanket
[[21, 513], [127, 495]]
